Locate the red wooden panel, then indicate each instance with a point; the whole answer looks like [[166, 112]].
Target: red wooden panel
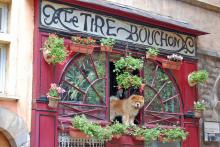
[[47, 128], [192, 126], [189, 94]]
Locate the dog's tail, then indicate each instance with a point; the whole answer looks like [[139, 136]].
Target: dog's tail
[[113, 98]]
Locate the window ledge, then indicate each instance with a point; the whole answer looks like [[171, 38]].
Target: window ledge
[[5, 38], [8, 97]]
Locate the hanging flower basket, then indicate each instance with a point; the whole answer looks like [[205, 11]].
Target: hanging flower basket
[[171, 65], [47, 58], [198, 113], [77, 134], [53, 101], [106, 48], [191, 82], [82, 48]]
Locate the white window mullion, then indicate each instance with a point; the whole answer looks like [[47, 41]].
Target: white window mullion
[[2, 68]]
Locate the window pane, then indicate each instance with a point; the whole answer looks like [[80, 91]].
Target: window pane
[[0, 19], [2, 68]]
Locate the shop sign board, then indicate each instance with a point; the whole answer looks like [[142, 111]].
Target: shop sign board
[[69, 19]]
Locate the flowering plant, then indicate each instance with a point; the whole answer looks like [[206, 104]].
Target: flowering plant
[[55, 90], [175, 57], [199, 105], [152, 51], [85, 41], [54, 50]]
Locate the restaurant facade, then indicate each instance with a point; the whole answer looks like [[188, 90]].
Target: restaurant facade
[[89, 80]]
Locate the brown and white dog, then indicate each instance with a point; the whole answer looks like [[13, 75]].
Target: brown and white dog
[[127, 108]]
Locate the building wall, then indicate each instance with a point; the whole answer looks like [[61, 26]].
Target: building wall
[[205, 15], [17, 96]]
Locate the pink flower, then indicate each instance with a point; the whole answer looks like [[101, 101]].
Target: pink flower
[[53, 86], [60, 90]]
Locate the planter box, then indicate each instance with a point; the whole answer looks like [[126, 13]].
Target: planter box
[[171, 65], [81, 48], [77, 134], [106, 48]]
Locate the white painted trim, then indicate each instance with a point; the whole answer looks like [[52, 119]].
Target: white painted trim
[[4, 21], [2, 69]]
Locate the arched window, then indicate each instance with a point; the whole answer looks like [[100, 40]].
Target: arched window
[[89, 81]]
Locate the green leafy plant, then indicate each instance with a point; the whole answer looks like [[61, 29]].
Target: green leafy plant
[[199, 105], [85, 41], [170, 135], [55, 90], [107, 42], [138, 132], [127, 80], [152, 134], [197, 77], [54, 50], [152, 51], [105, 133], [128, 63], [90, 128], [117, 128]]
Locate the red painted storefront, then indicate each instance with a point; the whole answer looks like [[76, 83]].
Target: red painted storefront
[[47, 122]]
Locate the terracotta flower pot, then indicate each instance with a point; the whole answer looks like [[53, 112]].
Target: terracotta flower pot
[[191, 83], [81, 48], [198, 113], [53, 101], [77, 133], [171, 65], [47, 58], [106, 48], [151, 57]]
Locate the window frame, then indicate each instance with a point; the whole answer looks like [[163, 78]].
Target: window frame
[[2, 68], [4, 21]]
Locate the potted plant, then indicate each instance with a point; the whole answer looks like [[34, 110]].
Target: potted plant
[[53, 95], [174, 62], [118, 129], [126, 80], [152, 53], [128, 64], [107, 44], [54, 50], [199, 107], [82, 45], [197, 77]]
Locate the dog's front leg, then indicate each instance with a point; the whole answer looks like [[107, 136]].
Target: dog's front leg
[[126, 119], [131, 121]]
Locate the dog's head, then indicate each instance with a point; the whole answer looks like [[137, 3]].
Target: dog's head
[[137, 101]]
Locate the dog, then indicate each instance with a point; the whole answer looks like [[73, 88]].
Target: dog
[[127, 108]]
